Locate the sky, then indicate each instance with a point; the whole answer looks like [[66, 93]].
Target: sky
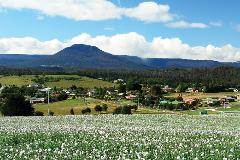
[[190, 29]]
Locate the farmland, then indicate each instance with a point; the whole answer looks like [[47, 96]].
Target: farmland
[[63, 107], [121, 137], [61, 81]]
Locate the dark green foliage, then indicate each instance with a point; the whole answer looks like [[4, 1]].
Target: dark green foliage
[[73, 87], [194, 77], [156, 90], [51, 113], [149, 101], [133, 86], [71, 111], [126, 110], [98, 108], [181, 87], [121, 88], [86, 110], [16, 105], [100, 93], [104, 107], [117, 110], [14, 90], [123, 110], [135, 107], [62, 97], [212, 88], [38, 113], [204, 112]]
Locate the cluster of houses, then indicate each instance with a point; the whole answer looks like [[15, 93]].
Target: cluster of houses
[[212, 102], [112, 93], [221, 101]]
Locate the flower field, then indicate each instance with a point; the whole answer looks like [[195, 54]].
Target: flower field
[[121, 137]]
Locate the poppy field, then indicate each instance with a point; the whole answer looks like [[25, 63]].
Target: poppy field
[[121, 137]]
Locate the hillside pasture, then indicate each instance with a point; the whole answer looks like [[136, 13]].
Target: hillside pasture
[[63, 107], [60, 81]]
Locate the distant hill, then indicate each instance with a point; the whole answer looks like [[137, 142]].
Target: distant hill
[[91, 57]]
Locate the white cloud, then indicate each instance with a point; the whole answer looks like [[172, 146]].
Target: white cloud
[[130, 44], [72, 9], [186, 25], [96, 10], [150, 12], [29, 45], [92, 9], [216, 24]]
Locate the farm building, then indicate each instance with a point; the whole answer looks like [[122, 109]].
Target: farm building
[[34, 100], [212, 101], [191, 101], [131, 97]]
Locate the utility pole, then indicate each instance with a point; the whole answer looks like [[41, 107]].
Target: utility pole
[[138, 102], [48, 102]]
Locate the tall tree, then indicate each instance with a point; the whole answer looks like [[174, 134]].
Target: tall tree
[[16, 105]]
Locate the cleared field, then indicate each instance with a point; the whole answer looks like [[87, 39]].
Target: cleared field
[[84, 82], [16, 80], [64, 81], [63, 107], [120, 137]]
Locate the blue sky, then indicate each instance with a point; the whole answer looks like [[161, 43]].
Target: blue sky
[[210, 26]]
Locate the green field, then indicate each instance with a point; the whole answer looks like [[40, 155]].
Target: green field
[[64, 82], [63, 107], [92, 137]]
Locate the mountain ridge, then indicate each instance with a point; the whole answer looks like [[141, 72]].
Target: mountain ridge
[[90, 57]]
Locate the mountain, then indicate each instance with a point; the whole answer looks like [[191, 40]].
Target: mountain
[[17, 60], [90, 57], [85, 56]]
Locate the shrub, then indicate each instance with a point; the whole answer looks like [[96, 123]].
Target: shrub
[[122, 110], [83, 111], [71, 111], [104, 107], [135, 107], [204, 112], [51, 113], [62, 97], [117, 110], [98, 108], [38, 113], [86, 110], [126, 110]]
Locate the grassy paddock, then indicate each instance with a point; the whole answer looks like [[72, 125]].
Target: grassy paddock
[[84, 82], [63, 107]]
